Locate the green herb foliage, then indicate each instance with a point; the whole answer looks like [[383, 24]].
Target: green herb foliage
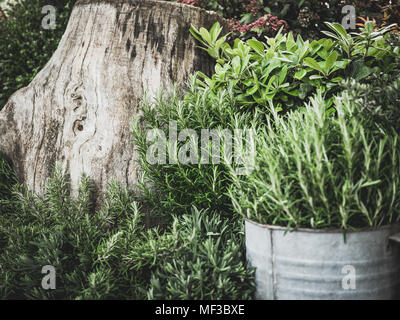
[[111, 253], [320, 171], [177, 187]]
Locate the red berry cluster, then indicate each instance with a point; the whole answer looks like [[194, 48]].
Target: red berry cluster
[[272, 22], [268, 23], [195, 3], [253, 7]]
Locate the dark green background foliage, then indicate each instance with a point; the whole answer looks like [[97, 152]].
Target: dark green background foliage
[[305, 17], [25, 47]]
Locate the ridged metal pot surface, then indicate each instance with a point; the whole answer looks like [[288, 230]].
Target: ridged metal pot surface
[[313, 264]]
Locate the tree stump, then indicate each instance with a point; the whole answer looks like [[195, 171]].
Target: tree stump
[[78, 109]]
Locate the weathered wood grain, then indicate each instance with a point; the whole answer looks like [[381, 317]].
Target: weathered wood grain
[[78, 109]]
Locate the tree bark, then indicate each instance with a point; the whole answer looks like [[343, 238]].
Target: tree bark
[[78, 109]]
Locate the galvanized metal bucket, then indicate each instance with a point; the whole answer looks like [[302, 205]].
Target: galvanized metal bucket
[[319, 265]]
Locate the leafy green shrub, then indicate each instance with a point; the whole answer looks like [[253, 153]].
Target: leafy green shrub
[[379, 99], [111, 253], [176, 187], [318, 171], [210, 266], [284, 72], [379, 96], [54, 230], [25, 46]]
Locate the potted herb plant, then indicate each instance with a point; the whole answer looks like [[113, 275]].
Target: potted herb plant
[[322, 205]]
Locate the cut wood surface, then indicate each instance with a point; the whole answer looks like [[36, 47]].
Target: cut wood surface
[[78, 110]]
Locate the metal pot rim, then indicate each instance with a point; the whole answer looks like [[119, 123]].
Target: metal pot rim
[[367, 229]]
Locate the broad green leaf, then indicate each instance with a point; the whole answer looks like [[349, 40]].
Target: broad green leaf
[[236, 64], [290, 43], [205, 35], [270, 53], [299, 41], [271, 42], [195, 33], [331, 61], [256, 45], [330, 34], [323, 54], [313, 64], [337, 79], [339, 29], [282, 74], [273, 78], [327, 43], [316, 77], [300, 74], [220, 42], [218, 68], [212, 52], [342, 64], [215, 31]]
